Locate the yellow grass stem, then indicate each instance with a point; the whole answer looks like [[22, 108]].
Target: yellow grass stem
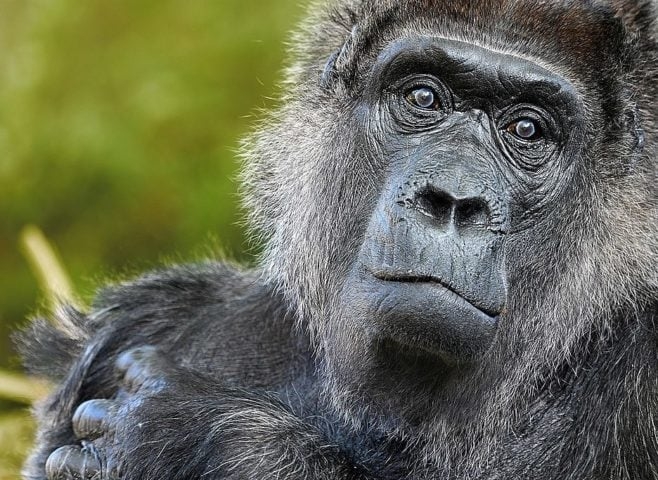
[[20, 389], [46, 266]]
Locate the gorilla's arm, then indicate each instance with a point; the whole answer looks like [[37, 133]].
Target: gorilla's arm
[[223, 340], [169, 422]]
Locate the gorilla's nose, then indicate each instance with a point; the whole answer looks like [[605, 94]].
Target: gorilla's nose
[[446, 230], [449, 211]]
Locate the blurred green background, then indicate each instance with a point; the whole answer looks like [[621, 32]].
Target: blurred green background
[[119, 124]]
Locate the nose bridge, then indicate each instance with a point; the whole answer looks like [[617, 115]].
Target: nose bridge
[[450, 177], [458, 163], [458, 181]]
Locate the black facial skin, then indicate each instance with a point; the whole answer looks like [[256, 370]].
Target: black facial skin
[[459, 204], [431, 272]]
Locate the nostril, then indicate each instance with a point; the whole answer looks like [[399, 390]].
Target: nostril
[[445, 209], [435, 204], [472, 212]]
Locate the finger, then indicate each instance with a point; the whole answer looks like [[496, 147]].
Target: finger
[[92, 418], [142, 367], [135, 355], [72, 463]]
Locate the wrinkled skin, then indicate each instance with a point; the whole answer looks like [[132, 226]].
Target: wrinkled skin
[[459, 278]]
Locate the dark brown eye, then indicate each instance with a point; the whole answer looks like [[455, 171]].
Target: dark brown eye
[[423, 97], [525, 129]]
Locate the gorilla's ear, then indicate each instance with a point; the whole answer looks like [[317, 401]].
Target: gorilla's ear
[[341, 63], [637, 15]]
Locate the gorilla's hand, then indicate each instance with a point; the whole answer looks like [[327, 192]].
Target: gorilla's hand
[[109, 429], [163, 411]]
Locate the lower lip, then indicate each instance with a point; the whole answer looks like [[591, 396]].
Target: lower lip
[[430, 317]]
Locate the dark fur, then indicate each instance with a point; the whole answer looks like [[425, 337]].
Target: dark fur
[[260, 386]]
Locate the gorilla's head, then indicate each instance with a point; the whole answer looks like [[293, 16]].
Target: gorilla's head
[[459, 198]]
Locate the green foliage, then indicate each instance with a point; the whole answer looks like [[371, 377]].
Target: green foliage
[[119, 122]]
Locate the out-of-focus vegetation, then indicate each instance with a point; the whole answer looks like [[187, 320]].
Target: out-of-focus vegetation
[[119, 122]]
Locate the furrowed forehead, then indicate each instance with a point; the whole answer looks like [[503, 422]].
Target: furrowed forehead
[[550, 30]]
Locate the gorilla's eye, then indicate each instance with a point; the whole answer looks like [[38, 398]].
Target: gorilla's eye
[[525, 129], [419, 102], [423, 97]]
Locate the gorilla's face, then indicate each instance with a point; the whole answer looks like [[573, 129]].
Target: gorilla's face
[[475, 150], [457, 199]]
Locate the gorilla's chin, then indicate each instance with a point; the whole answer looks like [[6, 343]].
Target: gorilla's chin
[[419, 315]]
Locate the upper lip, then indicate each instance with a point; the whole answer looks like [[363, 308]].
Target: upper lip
[[409, 276]]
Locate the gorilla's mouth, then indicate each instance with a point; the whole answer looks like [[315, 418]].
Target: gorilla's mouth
[[423, 313], [409, 277]]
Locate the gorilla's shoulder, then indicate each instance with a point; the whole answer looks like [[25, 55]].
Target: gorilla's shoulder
[[181, 304], [187, 286]]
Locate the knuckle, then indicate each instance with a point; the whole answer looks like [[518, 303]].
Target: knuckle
[[91, 417], [71, 462]]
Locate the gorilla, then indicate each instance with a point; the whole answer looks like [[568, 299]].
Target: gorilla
[[459, 209]]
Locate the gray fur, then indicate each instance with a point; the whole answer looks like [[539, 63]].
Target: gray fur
[[569, 388]]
